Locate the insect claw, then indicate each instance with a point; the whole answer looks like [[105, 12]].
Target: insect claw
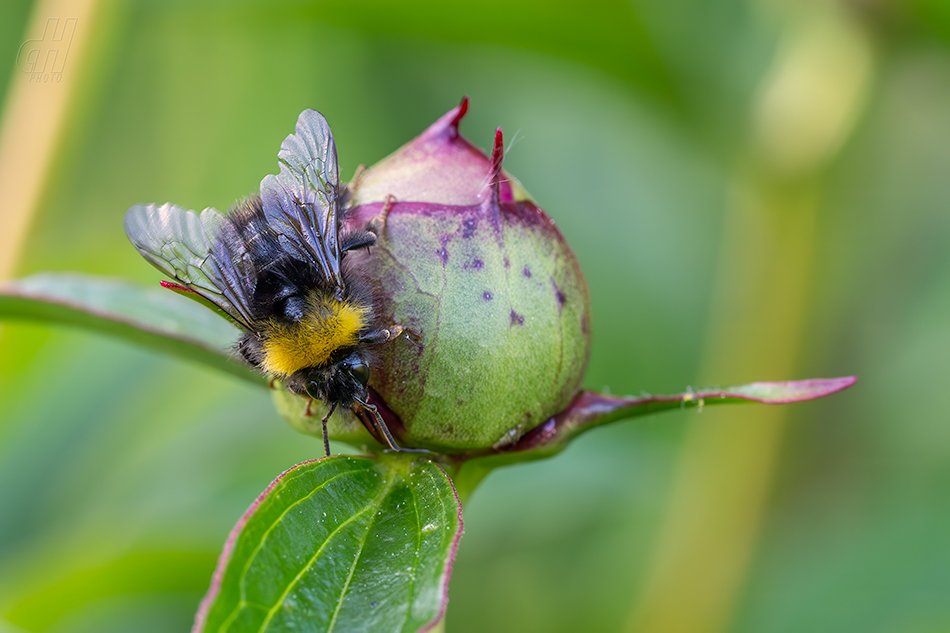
[[396, 330], [378, 424], [384, 336]]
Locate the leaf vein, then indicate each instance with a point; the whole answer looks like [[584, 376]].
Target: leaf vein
[[377, 502], [415, 562], [260, 544], [242, 579]]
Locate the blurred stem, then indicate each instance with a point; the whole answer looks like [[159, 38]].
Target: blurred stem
[[34, 116], [804, 111], [727, 461], [35, 113]]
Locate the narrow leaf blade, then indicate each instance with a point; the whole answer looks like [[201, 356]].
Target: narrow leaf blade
[[590, 410], [340, 544], [151, 317]]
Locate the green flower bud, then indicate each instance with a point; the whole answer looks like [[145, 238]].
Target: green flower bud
[[494, 301]]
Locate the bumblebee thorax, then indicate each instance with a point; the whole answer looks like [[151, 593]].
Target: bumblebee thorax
[[325, 326]]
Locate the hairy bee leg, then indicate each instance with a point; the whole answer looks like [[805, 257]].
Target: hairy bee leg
[[323, 421], [377, 224], [379, 424], [358, 241], [387, 206], [307, 413], [375, 338]]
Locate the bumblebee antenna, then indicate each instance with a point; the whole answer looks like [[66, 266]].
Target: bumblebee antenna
[[377, 423], [326, 438]]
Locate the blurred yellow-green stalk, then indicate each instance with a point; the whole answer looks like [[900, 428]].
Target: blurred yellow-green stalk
[[756, 189]]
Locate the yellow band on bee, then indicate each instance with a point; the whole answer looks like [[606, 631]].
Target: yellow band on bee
[[327, 326]]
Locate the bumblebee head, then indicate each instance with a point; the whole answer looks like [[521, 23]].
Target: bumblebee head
[[339, 383]]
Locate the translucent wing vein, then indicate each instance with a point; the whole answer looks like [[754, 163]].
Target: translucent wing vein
[[301, 202], [203, 252]]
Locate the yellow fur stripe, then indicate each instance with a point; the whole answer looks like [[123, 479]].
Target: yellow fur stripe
[[327, 326]]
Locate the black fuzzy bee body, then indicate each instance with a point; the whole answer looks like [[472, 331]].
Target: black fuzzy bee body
[[274, 267]]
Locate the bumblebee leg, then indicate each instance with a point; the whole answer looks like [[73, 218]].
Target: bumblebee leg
[[396, 330], [326, 438], [382, 336], [376, 337], [378, 424], [378, 224], [307, 412], [356, 240], [387, 206]]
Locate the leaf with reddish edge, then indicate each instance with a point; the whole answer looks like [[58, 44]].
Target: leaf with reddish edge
[[589, 410], [151, 317], [343, 544]]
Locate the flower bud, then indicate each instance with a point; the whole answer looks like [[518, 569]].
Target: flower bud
[[495, 303]]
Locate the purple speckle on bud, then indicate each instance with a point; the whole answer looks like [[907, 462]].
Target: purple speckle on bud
[[517, 319], [507, 263], [527, 272], [468, 228], [559, 294], [486, 296], [475, 264]]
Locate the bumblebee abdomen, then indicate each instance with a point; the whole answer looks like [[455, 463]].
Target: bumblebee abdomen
[[326, 326]]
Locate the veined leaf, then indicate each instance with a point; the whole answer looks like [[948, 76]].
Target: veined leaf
[[340, 544]]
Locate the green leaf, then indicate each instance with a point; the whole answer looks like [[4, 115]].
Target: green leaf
[[152, 317], [340, 544]]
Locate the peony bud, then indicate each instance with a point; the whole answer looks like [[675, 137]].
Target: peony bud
[[493, 298], [484, 278]]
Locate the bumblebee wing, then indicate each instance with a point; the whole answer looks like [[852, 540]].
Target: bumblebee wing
[[203, 252], [301, 203]]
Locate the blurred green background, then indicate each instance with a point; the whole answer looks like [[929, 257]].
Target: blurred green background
[[756, 190]]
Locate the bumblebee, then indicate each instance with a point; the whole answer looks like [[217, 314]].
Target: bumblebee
[[273, 266]]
